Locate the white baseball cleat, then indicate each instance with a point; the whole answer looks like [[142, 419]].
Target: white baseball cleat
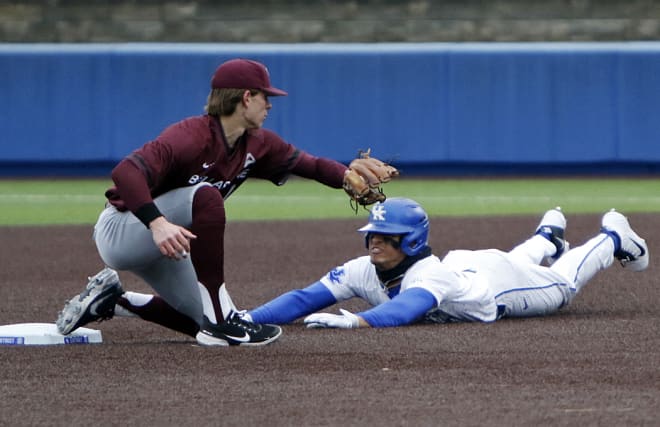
[[552, 227], [631, 250]]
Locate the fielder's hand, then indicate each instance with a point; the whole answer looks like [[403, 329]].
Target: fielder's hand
[[364, 177], [172, 240], [345, 320]]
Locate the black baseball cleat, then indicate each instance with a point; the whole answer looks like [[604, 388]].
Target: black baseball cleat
[[96, 302], [236, 331]]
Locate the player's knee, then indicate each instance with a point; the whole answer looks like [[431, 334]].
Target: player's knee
[[208, 205]]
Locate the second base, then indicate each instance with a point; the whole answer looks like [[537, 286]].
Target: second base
[[45, 334]]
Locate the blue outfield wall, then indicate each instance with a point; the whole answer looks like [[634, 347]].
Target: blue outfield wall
[[434, 108]]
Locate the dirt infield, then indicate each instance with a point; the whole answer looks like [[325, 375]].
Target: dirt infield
[[594, 364]]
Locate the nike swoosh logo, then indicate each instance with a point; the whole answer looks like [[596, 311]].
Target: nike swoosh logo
[[207, 165], [641, 248], [244, 338], [95, 305]]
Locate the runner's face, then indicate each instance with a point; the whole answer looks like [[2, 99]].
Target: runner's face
[[256, 109], [385, 250]]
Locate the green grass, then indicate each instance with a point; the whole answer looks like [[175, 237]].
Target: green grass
[[24, 202]]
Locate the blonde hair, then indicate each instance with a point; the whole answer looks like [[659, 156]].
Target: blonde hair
[[223, 102]]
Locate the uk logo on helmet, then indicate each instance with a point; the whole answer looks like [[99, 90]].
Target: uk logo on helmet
[[378, 213]]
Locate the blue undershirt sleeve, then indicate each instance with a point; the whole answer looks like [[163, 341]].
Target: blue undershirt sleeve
[[294, 304], [403, 309]]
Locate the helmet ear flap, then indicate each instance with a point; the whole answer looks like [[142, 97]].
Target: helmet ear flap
[[408, 247], [412, 243], [411, 246]]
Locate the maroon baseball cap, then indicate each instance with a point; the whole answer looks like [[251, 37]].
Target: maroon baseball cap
[[244, 74]]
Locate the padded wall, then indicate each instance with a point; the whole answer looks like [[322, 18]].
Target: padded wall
[[437, 103]]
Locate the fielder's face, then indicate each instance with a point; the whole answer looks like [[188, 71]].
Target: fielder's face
[[256, 109], [385, 250]]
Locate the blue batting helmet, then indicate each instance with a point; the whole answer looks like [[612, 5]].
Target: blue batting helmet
[[400, 216]]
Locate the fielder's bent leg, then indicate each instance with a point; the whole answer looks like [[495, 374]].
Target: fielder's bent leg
[[221, 324]]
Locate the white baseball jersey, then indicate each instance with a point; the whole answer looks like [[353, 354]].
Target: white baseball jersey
[[462, 295]]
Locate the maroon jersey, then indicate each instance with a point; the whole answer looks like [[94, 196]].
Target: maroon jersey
[[194, 150]]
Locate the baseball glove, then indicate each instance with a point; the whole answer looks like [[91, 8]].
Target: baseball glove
[[364, 177]]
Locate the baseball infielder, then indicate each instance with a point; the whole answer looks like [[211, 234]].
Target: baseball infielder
[[165, 218], [405, 283]]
